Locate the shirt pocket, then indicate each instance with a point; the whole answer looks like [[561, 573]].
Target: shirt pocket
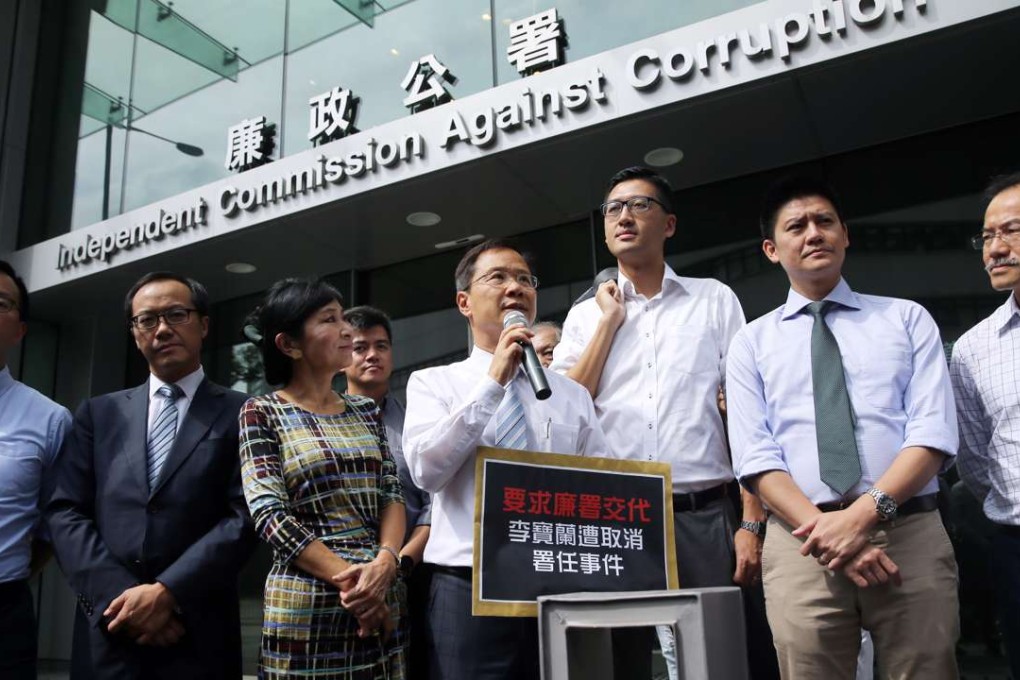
[[563, 438], [20, 470], [881, 378], [693, 349]]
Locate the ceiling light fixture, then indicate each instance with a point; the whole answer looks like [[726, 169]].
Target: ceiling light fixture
[[664, 156], [240, 268], [394, 51], [423, 219], [486, 17], [467, 240]]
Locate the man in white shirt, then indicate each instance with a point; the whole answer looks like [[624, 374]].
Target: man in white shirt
[[451, 410], [651, 349], [985, 370]]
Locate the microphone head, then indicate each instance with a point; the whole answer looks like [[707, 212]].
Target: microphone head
[[515, 317]]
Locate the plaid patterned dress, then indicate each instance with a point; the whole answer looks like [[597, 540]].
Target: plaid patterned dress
[[328, 477]]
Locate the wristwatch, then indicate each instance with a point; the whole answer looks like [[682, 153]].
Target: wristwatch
[[885, 505], [406, 565], [756, 528]]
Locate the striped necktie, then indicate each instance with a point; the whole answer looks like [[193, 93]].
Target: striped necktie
[[164, 431], [511, 428], [838, 460]]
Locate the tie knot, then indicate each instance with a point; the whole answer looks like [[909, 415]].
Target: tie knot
[[821, 308], [170, 391]]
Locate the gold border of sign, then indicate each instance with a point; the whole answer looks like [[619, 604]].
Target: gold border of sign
[[484, 453]]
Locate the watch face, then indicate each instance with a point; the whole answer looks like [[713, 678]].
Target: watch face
[[406, 565]]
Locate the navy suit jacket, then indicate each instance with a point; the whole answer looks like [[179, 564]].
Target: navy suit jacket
[[191, 532]]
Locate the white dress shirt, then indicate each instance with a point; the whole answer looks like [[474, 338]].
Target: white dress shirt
[[986, 379], [450, 413], [896, 375], [189, 384], [656, 398]]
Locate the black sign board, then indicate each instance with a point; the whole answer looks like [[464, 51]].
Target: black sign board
[[548, 523]]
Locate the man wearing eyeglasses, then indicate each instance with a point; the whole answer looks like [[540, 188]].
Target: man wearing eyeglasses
[[31, 430], [484, 400], [148, 518], [651, 347], [985, 370]]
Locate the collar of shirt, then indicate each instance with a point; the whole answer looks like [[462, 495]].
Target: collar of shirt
[[669, 279], [1002, 317], [841, 294], [6, 380], [188, 383]]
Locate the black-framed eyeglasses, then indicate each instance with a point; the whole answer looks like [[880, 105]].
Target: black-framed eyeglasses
[[636, 205], [499, 278], [173, 317], [1010, 235], [7, 305]]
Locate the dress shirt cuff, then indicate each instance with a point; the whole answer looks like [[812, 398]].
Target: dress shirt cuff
[[934, 433], [424, 518], [757, 463]]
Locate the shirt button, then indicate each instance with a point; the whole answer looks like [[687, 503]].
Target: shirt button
[[648, 335], [649, 426], [649, 364], [649, 395]]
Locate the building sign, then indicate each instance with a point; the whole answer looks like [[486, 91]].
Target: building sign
[[761, 40], [331, 115], [250, 144], [537, 43], [427, 70], [548, 524]]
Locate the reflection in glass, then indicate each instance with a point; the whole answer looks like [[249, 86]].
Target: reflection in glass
[[372, 63], [156, 170]]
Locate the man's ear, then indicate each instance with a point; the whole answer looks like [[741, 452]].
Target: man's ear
[[464, 303], [768, 246]]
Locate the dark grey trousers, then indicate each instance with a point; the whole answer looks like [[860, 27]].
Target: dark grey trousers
[[462, 646]]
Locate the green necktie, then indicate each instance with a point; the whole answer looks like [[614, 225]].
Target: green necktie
[[838, 461]]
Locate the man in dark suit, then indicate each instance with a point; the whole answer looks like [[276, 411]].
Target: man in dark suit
[[148, 519]]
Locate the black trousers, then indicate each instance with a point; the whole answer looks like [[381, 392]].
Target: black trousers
[[466, 647], [417, 615], [18, 644]]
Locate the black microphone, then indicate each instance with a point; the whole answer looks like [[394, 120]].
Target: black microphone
[[607, 274], [536, 374]]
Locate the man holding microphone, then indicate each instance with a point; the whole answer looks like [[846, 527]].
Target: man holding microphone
[[485, 400]]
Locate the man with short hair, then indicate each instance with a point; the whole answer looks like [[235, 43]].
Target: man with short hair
[[485, 400], [148, 518], [547, 336], [31, 430], [840, 416], [369, 376], [651, 347], [985, 371]]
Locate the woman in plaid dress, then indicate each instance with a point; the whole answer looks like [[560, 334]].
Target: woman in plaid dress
[[323, 491]]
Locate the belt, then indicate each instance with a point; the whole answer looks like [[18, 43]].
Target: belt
[[917, 504], [459, 572], [8, 588], [687, 502]]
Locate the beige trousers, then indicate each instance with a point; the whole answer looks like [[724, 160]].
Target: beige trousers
[[816, 616]]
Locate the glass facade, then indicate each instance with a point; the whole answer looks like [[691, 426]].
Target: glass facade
[[161, 76]]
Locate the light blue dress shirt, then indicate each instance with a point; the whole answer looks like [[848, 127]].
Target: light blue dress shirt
[[896, 374], [417, 503], [32, 429]]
